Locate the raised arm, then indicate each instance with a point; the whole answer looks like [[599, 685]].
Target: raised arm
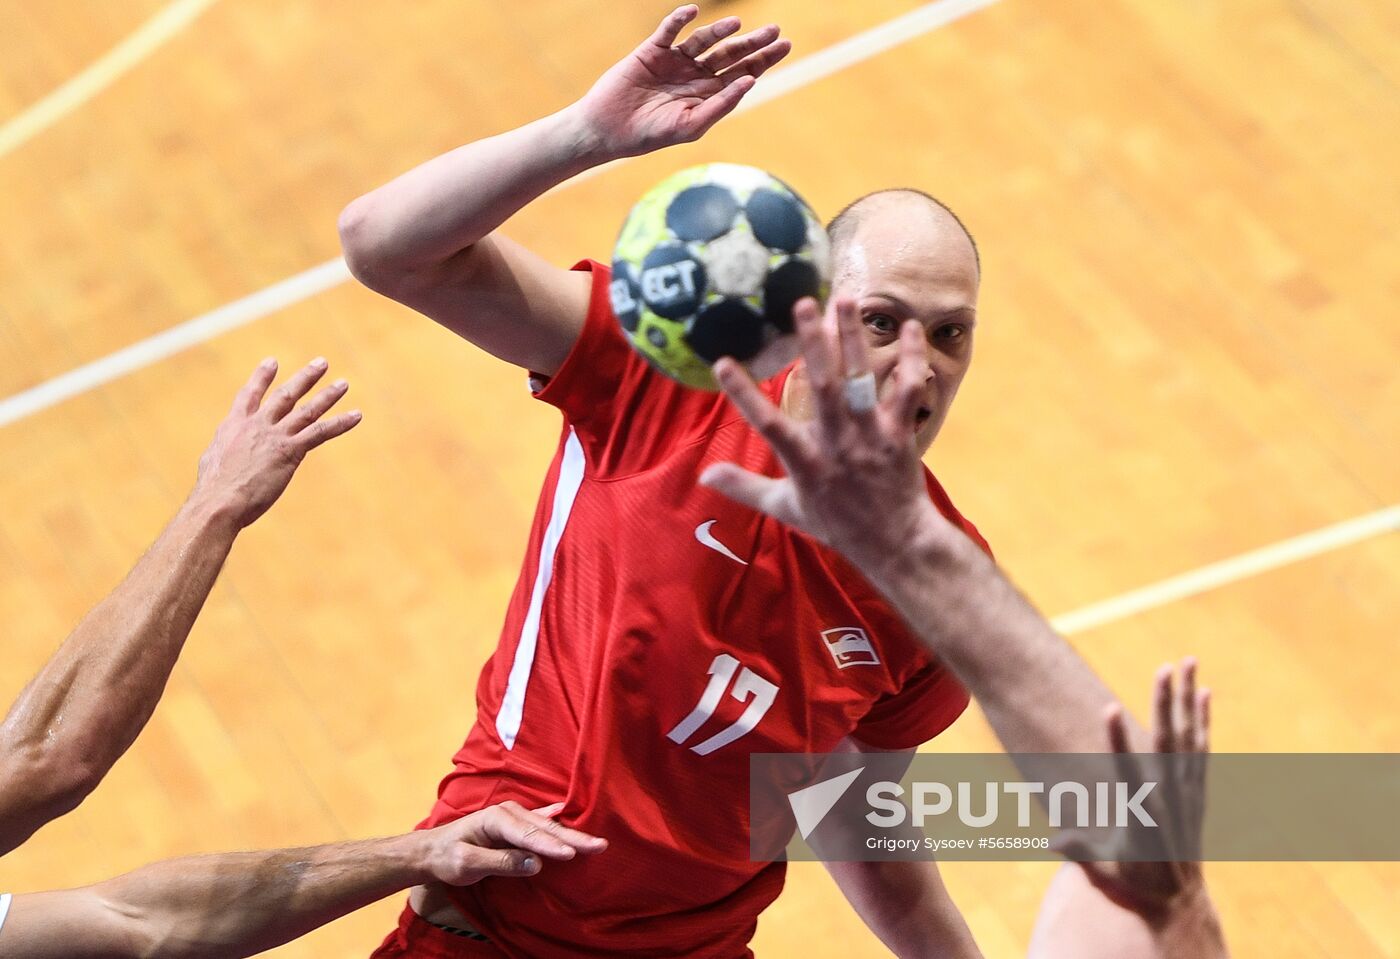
[[241, 904], [88, 703], [1142, 910], [426, 239]]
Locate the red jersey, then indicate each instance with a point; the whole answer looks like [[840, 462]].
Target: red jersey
[[659, 634]]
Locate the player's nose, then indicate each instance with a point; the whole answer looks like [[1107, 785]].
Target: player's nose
[[929, 374], [931, 357]]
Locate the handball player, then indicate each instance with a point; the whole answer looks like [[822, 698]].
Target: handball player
[[658, 633]]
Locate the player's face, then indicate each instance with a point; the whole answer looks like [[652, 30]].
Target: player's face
[[905, 262]]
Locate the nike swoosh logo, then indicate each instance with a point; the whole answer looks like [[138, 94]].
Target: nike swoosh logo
[[706, 538]]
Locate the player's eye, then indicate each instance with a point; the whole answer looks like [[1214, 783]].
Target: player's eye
[[951, 332], [882, 323]]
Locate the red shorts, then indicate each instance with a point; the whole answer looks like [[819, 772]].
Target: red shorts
[[417, 938]]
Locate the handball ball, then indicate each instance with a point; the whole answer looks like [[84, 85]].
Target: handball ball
[[709, 264]]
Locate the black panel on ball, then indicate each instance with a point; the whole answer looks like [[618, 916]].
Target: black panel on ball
[[727, 328], [777, 221], [784, 287], [626, 296], [673, 281], [700, 213]]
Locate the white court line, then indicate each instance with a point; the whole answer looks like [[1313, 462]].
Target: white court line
[[190, 333], [293, 290], [1231, 570], [100, 75], [860, 47]]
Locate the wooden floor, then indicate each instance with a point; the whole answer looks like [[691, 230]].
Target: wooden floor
[[1189, 217]]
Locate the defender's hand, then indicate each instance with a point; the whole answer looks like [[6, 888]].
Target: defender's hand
[[1180, 725], [259, 445], [502, 840], [854, 479], [664, 93]]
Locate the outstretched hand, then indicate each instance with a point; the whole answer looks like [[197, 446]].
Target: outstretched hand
[[502, 840], [259, 445], [1180, 726], [854, 479], [664, 92]]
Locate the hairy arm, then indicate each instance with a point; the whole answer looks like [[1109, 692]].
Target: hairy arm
[[240, 904], [994, 640], [225, 905], [904, 902], [87, 704], [426, 238]]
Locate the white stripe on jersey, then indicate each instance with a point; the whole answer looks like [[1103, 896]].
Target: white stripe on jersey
[[513, 703], [4, 908]]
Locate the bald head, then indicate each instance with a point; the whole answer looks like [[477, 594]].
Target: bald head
[[907, 210], [901, 255]]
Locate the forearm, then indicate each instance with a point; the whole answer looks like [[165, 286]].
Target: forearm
[[242, 904], [92, 698], [435, 211], [230, 905], [998, 645], [907, 906]]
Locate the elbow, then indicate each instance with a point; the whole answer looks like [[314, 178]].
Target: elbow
[[57, 779], [380, 255], [356, 231], [363, 243]]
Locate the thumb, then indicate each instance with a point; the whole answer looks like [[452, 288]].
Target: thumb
[[506, 862], [717, 107], [762, 493], [1082, 854]]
